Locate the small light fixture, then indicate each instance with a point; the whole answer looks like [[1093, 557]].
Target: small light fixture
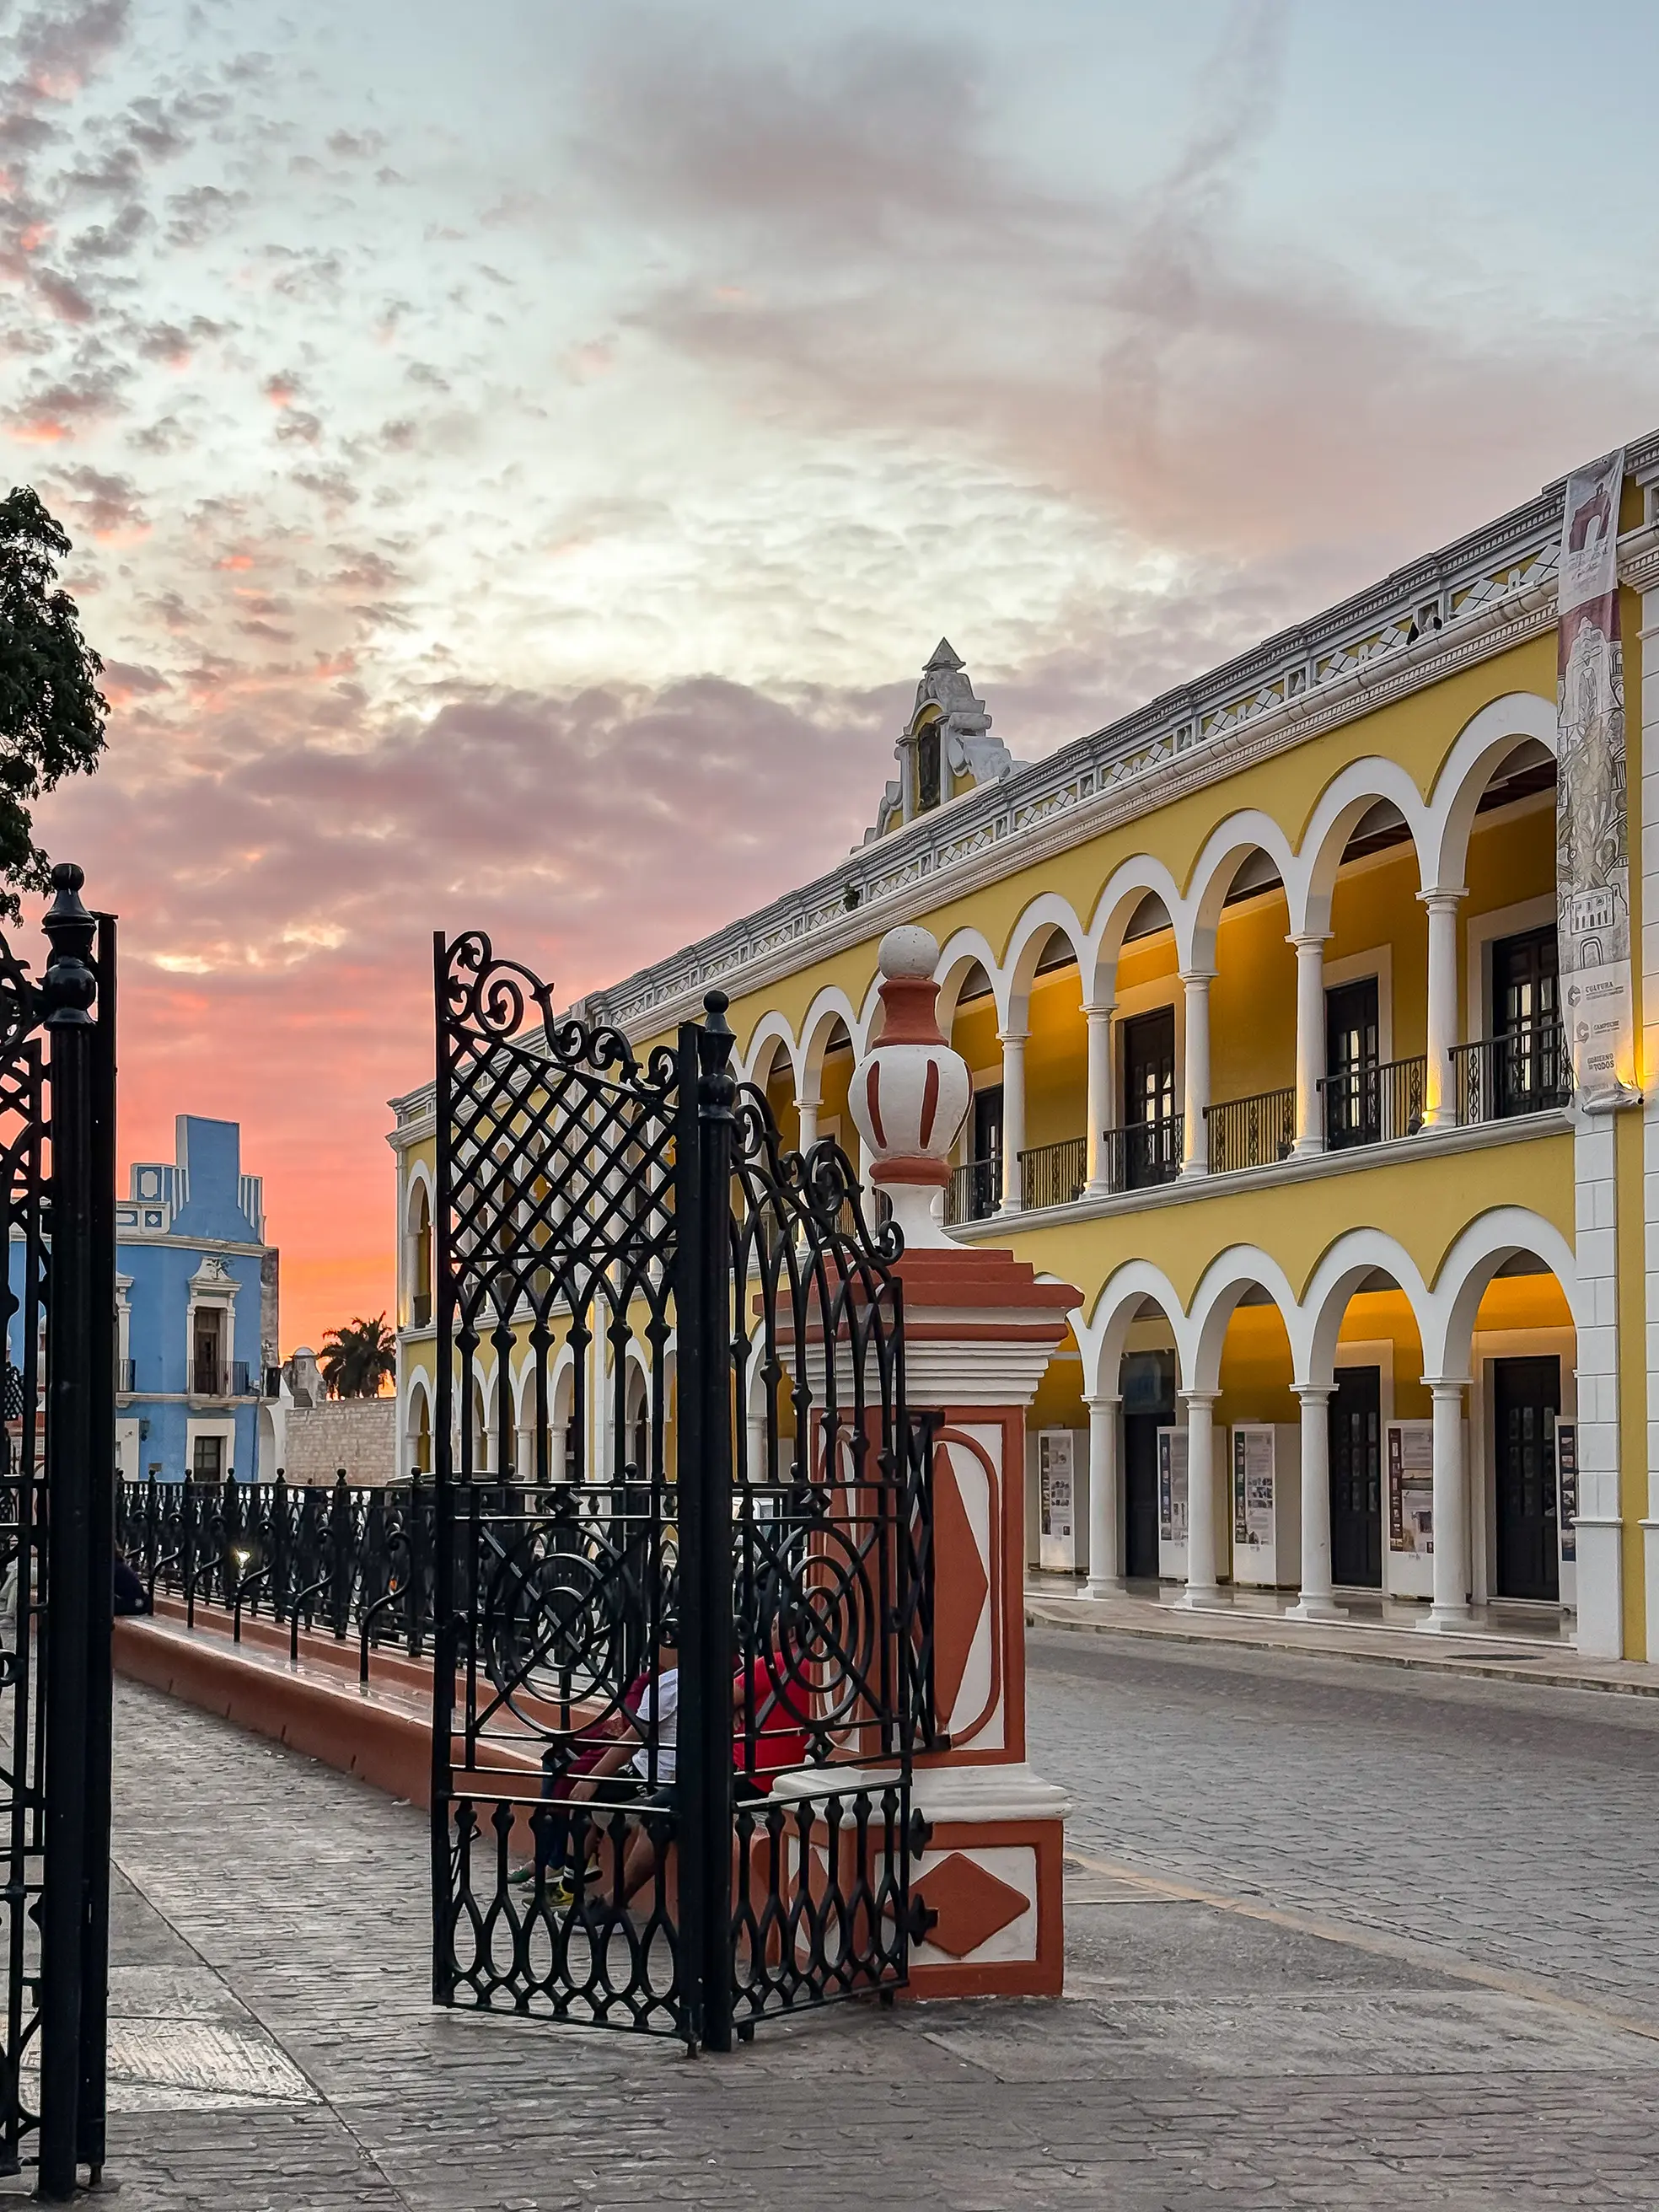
[[241, 1558]]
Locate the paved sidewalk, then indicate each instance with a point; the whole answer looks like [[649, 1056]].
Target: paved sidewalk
[[1498, 1650], [1222, 2045]]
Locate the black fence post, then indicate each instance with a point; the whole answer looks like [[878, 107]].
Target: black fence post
[[704, 1754], [102, 1536], [75, 1448]]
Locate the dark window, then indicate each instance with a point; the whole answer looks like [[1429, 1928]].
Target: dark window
[[207, 1353], [1352, 1106], [927, 769], [984, 1175], [207, 1459], [1527, 1005], [1152, 1142]]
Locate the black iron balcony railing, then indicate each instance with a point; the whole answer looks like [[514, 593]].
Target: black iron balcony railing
[[1250, 1132], [1144, 1153], [219, 1378], [126, 1374], [975, 1191], [1053, 1174], [1527, 1071], [1374, 1103]]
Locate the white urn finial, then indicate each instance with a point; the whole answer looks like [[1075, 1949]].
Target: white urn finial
[[909, 1094]]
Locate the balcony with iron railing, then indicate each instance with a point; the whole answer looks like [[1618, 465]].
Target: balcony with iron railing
[[219, 1378], [1143, 1154], [1253, 1132], [1527, 1070], [973, 1192], [1374, 1102], [1053, 1174]]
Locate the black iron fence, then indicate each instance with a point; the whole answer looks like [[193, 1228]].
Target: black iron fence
[[1374, 1102], [1144, 1153], [347, 1560], [1053, 1174], [1251, 1132], [975, 1191], [1527, 1071]]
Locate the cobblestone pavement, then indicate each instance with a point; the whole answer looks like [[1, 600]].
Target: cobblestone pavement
[[1419, 1974]]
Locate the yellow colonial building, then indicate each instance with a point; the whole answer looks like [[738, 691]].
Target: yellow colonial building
[[1272, 1017]]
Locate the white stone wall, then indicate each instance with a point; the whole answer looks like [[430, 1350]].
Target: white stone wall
[[357, 1434]]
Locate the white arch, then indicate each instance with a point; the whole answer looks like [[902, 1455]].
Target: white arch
[[1470, 1265], [1242, 1267], [1126, 887], [1103, 1335], [870, 1014], [772, 1034], [830, 1006], [1346, 1265], [1342, 805], [962, 951], [1485, 740], [1047, 912], [420, 1182], [1226, 849]]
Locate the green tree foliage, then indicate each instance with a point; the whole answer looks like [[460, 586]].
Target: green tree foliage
[[358, 1358], [51, 712]]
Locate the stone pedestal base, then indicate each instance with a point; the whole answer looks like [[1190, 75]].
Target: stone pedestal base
[[1315, 1609], [994, 1872]]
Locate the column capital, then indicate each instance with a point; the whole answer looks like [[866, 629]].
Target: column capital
[[1005, 1037], [1313, 1394], [1203, 1398], [1193, 977], [1101, 1013], [1446, 1386], [1308, 940], [811, 1105], [1443, 896], [1102, 1401]]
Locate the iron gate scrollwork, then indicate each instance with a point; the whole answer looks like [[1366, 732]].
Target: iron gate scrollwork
[[682, 1536]]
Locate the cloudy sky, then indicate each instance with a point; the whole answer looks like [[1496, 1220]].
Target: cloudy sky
[[519, 455]]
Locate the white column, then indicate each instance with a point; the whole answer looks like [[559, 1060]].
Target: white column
[[1202, 1589], [1649, 849], [1316, 1602], [1195, 1159], [1439, 1100], [808, 1110], [523, 1454], [1310, 1041], [1098, 1111], [1013, 1117], [1105, 1500], [555, 1450], [1599, 1532], [1448, 1613]]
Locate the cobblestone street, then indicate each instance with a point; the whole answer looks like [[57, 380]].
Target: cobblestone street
[[1333, 1941]]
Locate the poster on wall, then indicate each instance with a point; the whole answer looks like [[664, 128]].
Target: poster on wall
[[1411, 1486], [1566, 1473], [1592, 850], [1172, 1485], [1054, 1483], [1252, 1487]]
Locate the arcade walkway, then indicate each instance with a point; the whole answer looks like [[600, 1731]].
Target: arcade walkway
[[1338, 1938]]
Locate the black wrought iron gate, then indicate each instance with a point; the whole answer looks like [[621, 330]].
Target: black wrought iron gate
[[682, 1572], [57, 1538]]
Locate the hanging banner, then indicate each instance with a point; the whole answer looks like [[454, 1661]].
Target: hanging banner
[[1592, 850]]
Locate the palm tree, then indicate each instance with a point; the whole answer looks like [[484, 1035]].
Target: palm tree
[[358, 1358]]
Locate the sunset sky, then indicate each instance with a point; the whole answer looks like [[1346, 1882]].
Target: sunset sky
[[520, 455]]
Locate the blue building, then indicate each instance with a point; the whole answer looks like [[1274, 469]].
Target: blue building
[[196, 1293]]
